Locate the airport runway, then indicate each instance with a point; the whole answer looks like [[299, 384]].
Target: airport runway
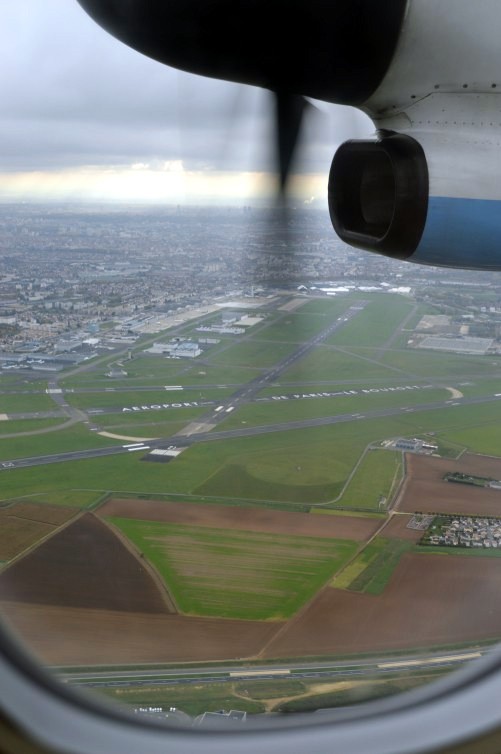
[[185, 441], [214, 416]]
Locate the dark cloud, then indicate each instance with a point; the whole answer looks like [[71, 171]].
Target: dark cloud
[[71, 95]]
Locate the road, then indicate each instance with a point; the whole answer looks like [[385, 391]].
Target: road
[[296, 670]]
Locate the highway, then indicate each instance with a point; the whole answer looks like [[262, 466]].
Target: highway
[[297, 670]]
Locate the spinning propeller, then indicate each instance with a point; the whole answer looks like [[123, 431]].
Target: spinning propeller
[[332, 50]]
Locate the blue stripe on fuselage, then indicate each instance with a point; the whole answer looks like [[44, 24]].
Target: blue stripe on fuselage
[[461, 233]]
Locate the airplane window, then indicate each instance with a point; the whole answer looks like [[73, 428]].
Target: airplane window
[[245, 469]]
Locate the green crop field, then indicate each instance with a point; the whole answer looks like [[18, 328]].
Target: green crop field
[[467, 552], [236, 574], [372, 569]]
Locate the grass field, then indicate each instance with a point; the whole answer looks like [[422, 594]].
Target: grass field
[[301, 466], [237, 574], [60, 441], [27, 425], [22, 382], [17, 403], [300, 326], [480, 387], [285, 694], [327, 363], [303, 473], [375, 324], [480, 552], [290, 388], [372, 569], [253, 353], [374, 481], [192, 699], [140, 425], [402, 338], [120, 399], [298, 467], [431, 364], [332, 307], [345, 694], [140, 370], [273, 412]]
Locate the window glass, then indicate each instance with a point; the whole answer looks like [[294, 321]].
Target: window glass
[[244, 468]]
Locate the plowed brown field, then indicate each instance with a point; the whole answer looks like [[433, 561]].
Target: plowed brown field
[[24, 524], [250, 519], [430, 600], [73, 636], [426, 491], [84, 566], [397, 528]]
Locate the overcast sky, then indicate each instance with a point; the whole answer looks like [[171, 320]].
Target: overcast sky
[[83, 116]]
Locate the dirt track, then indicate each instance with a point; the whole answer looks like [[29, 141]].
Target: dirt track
[[426, 490], [249, 519], [430, 600]]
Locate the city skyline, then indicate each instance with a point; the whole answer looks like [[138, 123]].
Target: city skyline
[[84, 118]]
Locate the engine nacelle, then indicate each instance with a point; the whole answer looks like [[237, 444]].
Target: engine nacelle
[[428, 187], [433, 197], [378, 194]]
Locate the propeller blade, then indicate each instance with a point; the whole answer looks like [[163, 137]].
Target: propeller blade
[[290, 109]]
